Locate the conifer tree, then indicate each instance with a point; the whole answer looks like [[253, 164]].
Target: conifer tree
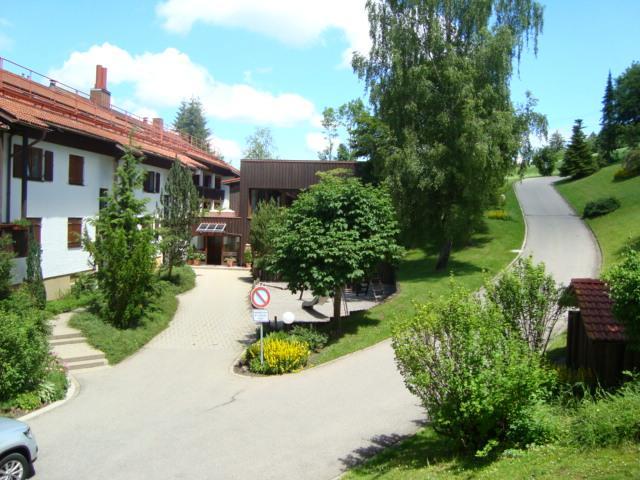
[[123, 251], [34, 280], [190, 122], [578, 160], [179, 210], [607, 138]]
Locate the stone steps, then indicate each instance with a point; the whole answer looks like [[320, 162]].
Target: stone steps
[[72, 348]]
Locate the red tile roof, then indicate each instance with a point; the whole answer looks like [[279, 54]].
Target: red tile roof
[[28, 102], [596, 310]]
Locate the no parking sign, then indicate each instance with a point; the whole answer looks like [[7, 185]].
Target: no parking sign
[[260, 297]]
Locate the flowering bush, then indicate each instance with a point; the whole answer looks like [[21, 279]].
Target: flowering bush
[[281, 355]]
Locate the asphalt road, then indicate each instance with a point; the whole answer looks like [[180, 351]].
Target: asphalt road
[[175, 410], [555, 234]]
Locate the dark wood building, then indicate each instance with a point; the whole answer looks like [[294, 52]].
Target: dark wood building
[[260, 180], [596, 340]]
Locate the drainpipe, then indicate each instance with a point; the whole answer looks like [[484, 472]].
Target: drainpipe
[[25, 175], [9, 148]]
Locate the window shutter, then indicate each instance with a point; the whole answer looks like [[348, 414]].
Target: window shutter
[[218, 182], [157, 190], [76, 170], [48, 166], [17, 161]]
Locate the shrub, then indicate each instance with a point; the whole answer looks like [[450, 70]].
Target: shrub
[[498, 215], [545, 160], [6, 255], [27, 401], [610, 419], [632, 161], [34, 281], [123, 249], [624, 288], [529, 301], [623, 174], [475, 379], [309, 335], [24, 350], [601, 206], [281, 355]]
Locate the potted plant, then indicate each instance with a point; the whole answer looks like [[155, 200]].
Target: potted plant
[[230, 261], [248, 257], [194, 256]]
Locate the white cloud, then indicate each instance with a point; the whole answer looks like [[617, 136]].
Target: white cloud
[[293, 22], [230, 149], [316, 141], [163, 79]]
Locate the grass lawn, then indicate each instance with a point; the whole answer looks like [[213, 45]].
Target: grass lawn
[[618, 228], [418, 281], [117, 344], [426, 455]]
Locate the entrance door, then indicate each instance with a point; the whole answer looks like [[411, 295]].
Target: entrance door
[[214, 250]]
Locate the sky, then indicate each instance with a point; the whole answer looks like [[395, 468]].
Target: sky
[[278, 63]]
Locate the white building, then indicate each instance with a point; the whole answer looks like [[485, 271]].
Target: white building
[[73, 142]]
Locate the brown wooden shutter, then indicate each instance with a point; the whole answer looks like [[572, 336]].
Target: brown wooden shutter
[[17, 161], [218, 182], [36, 225], [74, 232], [76, 170], [48, 166]]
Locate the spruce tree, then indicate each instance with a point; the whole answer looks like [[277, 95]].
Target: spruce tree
[[179, 211], [35, 283], [190, 122], [123, 251], [607, 138], [578, 160]]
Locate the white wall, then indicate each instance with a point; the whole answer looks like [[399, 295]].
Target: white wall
[[54, 202]]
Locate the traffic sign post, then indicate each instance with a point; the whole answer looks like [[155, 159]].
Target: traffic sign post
[[260, 297]]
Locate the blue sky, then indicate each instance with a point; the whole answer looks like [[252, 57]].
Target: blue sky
[[279, 63]]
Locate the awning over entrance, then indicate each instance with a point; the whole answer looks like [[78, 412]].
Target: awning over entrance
[[211, 227]]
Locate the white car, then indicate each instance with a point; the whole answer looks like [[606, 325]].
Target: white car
[[18, 450]]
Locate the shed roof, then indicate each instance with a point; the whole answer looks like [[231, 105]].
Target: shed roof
[[596, 310]]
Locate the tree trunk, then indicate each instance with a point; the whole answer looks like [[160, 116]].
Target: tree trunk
[[445, 253], [337, 307]]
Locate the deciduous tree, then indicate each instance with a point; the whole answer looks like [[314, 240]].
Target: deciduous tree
[[260, 145], [334, 234], [438, 77], [330, 124]]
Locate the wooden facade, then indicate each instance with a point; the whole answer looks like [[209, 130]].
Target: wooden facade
[[290, 176]]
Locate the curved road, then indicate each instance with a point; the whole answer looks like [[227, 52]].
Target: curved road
[[555, 234], [175, 410]]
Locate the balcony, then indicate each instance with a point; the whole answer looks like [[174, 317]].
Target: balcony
[[211, 193]]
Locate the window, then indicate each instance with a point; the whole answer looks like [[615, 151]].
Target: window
[[39, 164], [102, 198], [196, 180], [218, 182], [207, 180], [76, 170], [152, 182], [74, 233]]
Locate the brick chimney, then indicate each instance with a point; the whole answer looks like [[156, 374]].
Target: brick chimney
[[158, 124], [100, 95]]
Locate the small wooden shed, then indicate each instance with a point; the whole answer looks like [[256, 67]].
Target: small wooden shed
[[596, 340]]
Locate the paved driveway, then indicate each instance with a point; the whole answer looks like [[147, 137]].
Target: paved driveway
[[175, 410], [555, 234]]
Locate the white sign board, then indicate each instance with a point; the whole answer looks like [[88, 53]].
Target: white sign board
[[260, 316]]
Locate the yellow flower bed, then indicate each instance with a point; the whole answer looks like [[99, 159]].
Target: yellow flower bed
[[280, 356]]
